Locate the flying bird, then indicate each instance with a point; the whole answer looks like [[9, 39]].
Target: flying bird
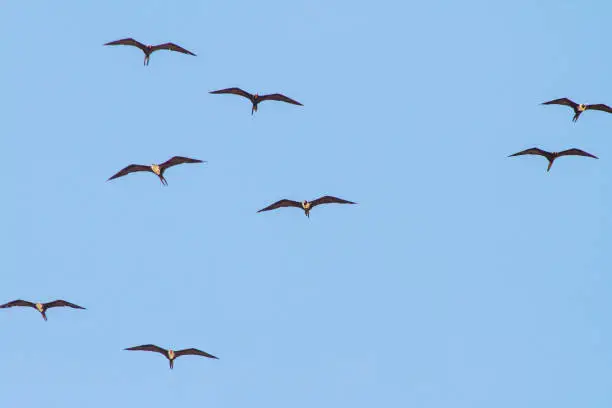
[[150, 49], [551, 156], [306, 205], [578, 108], [157, 169], [255, 99], [41, 307], [171, 355]]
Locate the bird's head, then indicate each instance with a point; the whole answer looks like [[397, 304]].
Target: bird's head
[[256, 96], [39, 307], [171, 354], [582, 106]]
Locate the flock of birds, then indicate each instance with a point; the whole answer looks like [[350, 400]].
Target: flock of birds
[[578, 109], [159, 170], [306, 206]]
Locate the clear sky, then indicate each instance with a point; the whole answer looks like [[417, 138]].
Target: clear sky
[[462, 279]]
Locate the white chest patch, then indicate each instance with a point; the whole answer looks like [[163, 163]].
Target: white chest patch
[[155, 169], [39, 307]]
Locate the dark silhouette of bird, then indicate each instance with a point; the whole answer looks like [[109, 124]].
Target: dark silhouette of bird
[[171, 355], [41, 307], [578, 107], [306, 205], [255, 98], [150, 49], [157, 169], [551, 156]]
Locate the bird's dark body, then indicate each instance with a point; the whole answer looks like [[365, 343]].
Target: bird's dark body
[[157, 169], [256, 98], [150, 49], [171, 355], [41, 307], [551, 156], [305, 205], [578, 108]]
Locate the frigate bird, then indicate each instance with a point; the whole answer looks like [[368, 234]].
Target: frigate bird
[[157, 169], [551, 156], [150, 49], [255, 98], [171, 355], [41, 307], [306, 205], [578, 107]]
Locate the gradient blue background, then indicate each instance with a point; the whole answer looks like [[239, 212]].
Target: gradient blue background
[[462, 279]]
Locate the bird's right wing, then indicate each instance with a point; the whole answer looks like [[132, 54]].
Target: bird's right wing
[[279, 97], [281, 203], [178, 160], [17, 302], [235, 91], [172, 47], [128, 41], [576, 152], [329, 200], [148, 347], [562, 101], [130, 169], [533, 150], [194, 352], [60, 303], [600, 107]]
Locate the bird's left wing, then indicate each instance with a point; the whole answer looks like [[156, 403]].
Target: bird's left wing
[[195, 352], [148, 347], [171, 47], [281, 203], [279, 97], [576, 152], [533, 150], [600, 107], [128, 41], [178, 160], [60, 303], [328, 200], [235, 91], [17, 302], [562, 101], [130, 169]]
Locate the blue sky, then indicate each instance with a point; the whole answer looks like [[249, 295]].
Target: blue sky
[[462, 278]]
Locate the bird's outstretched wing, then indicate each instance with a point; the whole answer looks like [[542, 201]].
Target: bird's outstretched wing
[[562, 101], [18, 302], [194, 352], [279, 97], [178, 160], [600, 107], [129, 41], [148, 347], [533, 150], [60, 303], [281, 203], [235, 91], [329, 200], [171, 47], [131, 169], [576, 152]]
